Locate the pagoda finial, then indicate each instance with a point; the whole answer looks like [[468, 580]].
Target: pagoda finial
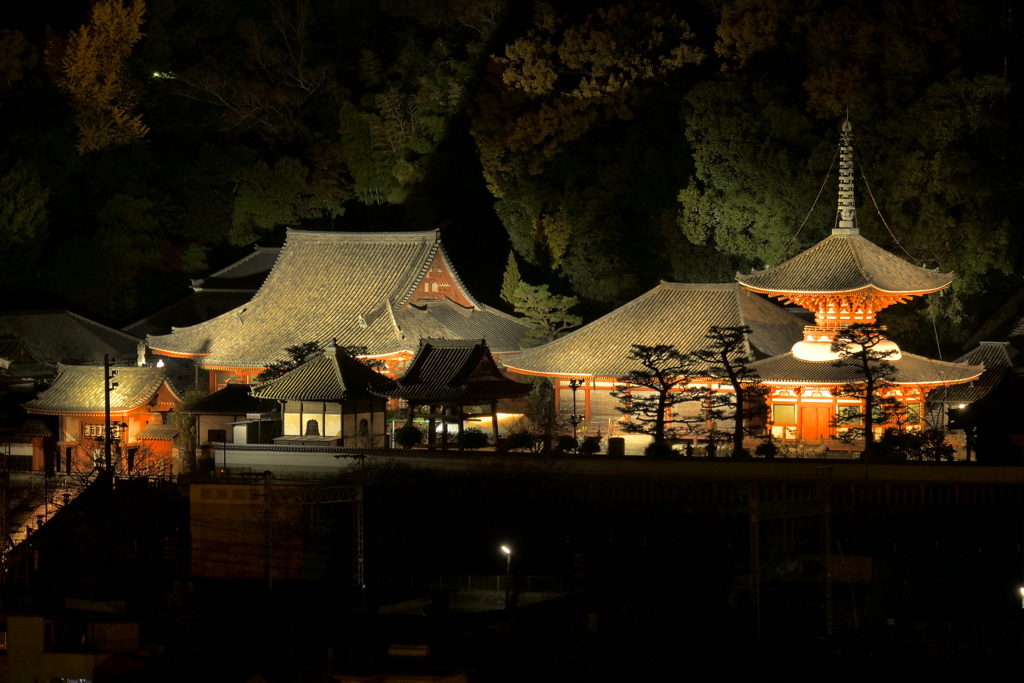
[[846, 220]]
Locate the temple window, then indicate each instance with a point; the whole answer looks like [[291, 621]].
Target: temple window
[[848, 416], [784, 413]]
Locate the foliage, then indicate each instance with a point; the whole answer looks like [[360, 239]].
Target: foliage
[[591, 445], [188, 427], [865, 349], [659, 449], [297, 355], [521, 440], [724, 359], [900, 445], [22, 204], [91, 69], [566, 444], [561, 125], [510, 279], [649, 392], [472, 439], [267, 197], [767, 449], [547, 312], [389, 133], [408, 436]]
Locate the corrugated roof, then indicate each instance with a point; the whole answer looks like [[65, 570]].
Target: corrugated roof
[[910, 369], [66, 337], [845, 263], [329, 376], [453, 370], [79, 389], [328, 285], [672, 313]]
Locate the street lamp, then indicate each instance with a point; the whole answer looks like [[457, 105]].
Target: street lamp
[[508, 572]]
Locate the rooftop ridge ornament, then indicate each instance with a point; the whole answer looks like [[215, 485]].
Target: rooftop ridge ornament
[[846, 218]]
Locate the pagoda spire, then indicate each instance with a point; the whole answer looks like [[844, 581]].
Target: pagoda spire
[[846, 219]]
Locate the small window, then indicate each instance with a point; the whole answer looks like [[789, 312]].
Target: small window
[[784, 413], [913, 413], [217, 435]]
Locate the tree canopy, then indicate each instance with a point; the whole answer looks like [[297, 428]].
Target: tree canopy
[[610, 148]]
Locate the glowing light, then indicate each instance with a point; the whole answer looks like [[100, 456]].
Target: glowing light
[[508, 551]]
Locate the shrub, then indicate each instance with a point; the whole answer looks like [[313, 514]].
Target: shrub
[[591, 445], [659, 449], [565, 444], [408, 436], [520, 440], [472, 439], [767, 450]]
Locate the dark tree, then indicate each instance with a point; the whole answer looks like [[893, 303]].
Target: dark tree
[[726, 360], [650, 391], [860, 346], [297, 355]]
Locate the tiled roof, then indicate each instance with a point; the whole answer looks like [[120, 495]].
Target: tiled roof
[[910, 369], [671, 313], [157, 433], [453, 370], [79, 389], [845, 263], [329, 376], [445, 319], [65, 337], [346, 286], [33, 428], [233, 399], [211, 296], [997, 357], [246, 274]]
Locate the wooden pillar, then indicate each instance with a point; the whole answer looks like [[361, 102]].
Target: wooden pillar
[[373, 434], [431, 430], [459, 408], [494, 420]]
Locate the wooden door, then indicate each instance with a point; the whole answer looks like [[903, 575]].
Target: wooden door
[[814, 422]]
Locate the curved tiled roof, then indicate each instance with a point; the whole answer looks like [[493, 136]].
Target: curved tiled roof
[[845, 263], [66, 337], [997, 357], [910, 369], [672, 313], [352, 287], [79, 389], [453, 370], [329, 376]]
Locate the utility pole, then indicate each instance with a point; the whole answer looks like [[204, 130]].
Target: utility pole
[[108, 386]]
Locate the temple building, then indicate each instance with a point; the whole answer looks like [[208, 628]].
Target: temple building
[[142, 400], [842, 280], [382, 292], [327, 401], [845, 280], [677, 314], [447, 378]]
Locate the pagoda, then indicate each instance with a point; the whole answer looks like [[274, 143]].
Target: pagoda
[[844, 280]]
